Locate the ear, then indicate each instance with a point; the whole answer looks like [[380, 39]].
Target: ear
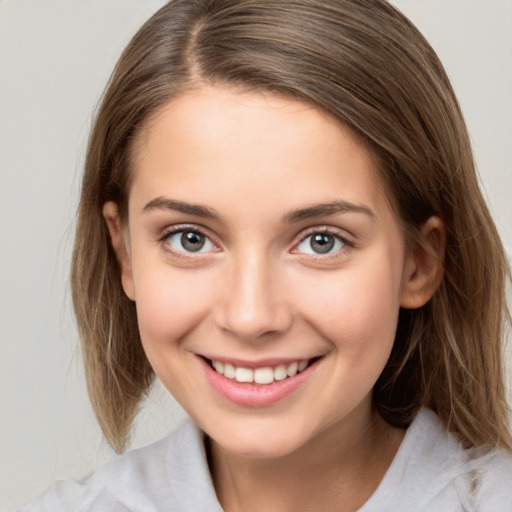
[[120, 246], [424, 265]]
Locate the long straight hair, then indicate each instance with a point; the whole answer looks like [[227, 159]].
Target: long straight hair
[[364, 63]]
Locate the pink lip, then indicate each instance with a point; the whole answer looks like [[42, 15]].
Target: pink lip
[[255, 395]]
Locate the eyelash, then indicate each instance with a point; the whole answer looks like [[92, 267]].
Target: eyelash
[[184, 228], [346, 243]]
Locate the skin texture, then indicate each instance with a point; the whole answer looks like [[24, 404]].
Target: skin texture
[[257, 291]]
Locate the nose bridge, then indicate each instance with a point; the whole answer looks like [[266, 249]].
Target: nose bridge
[[253, 304]]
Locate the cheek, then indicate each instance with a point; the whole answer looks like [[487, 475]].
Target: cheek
[[169, 304], [356, 313], [355, 309]]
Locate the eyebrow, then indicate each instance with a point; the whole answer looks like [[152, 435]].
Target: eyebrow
[[300, 214], [162, 203], [320, 210]]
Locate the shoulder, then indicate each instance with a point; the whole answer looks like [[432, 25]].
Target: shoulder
[[489, 478], [431, 471], [156, 477], [479, 481], [482, 479]]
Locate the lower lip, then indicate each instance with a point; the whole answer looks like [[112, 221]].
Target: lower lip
[[256, 395]]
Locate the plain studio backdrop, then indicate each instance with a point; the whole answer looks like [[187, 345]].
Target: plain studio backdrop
[[55, 58]]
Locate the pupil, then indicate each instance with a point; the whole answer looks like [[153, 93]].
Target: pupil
[[192, 241], [322, 243]]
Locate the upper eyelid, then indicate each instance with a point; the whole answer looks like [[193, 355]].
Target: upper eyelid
[[312, 231], [328, 230], [348, 241], [177, 228], [165, 233], [340, 233], [184, 255]]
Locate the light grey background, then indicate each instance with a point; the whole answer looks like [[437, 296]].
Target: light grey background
[[55, 57]]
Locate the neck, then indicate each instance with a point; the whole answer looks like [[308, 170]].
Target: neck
[[337, 470]]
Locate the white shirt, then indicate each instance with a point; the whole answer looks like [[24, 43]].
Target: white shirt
[[430, 472]]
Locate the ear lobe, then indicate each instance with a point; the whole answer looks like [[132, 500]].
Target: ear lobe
[[119, 244], [424, 266]]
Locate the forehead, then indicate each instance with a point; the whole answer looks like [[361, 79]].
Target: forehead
[[217, 142]]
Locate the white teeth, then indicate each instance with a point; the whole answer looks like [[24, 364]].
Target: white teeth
[[265, 375], [229, 371], [292, 369], [302, 365], [280, 372], [219, 367], [244, 375]]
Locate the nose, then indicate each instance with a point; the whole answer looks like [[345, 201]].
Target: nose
[[252, 304]]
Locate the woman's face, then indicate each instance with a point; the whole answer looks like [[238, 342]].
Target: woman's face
[[260, 241]]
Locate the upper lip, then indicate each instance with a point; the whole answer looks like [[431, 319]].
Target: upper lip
[[260, 363]]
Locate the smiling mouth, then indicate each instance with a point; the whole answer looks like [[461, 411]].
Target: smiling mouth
[[264, 375]]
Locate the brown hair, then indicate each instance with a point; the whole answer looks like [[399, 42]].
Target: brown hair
[[363, 62]]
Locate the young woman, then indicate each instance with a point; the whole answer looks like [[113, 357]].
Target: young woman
[[280, 219]]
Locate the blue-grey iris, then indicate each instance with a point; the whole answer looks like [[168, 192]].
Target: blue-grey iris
[[192, 241], [322, 243]]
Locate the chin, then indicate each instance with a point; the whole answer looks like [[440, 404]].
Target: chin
[[259, 439], [262, 449]]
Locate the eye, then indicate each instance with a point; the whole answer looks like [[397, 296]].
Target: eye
[[187, 240], [321, 243]]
